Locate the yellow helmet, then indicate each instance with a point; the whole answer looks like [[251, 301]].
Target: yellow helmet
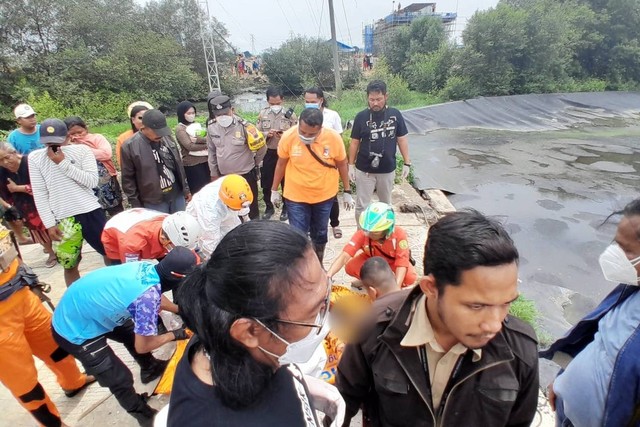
[[235, 192]]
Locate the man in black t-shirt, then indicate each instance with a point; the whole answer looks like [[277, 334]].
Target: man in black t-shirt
[[372, 155]]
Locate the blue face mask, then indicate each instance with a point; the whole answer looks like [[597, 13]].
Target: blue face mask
[[311, 105]]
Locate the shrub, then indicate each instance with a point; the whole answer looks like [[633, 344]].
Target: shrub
[[458, 88]]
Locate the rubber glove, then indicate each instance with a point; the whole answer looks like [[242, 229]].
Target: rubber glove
[[405, 172], [276, 198], [352, 173], [349, 203]]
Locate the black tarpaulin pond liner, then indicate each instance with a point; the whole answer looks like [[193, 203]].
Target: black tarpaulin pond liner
[[517, 113], [524, 113]]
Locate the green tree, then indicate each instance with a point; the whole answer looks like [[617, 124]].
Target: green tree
[[298, 63]]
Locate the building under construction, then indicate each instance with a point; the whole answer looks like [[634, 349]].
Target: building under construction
[[375, 34]]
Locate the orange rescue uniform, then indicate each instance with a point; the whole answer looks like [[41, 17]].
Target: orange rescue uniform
[[134, 234], [25, 331], [394, 249], [307, 180]]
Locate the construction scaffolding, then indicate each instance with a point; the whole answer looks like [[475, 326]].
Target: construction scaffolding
[[374, 35]]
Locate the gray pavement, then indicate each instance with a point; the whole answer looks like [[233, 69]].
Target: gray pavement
[[96, 406]]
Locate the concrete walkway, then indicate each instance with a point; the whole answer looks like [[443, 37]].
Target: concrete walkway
[[97, 407]]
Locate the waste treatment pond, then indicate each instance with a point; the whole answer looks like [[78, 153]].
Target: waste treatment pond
[[553, 189]]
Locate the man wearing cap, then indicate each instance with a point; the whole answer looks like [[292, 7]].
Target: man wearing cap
[[26, 137], [229, 151], [63, 177], [121, 303], [152, 172]]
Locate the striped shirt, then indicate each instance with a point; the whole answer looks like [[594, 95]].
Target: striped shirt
[[66, 189]]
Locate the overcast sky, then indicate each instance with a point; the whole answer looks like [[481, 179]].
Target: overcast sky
[[273, 21]]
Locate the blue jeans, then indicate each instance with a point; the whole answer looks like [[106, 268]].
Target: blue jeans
[[172, 206], [561, 418], [312, 218]]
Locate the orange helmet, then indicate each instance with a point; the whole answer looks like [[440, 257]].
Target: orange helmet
[[235, 192]]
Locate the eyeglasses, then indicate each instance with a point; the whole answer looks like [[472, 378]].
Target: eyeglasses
[[322, 314]]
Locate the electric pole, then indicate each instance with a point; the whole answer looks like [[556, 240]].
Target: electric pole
[[334, 46], [206, 34]]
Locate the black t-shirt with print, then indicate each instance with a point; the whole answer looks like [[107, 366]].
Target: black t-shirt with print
[[378, 133], [194, 403], [166, 165]]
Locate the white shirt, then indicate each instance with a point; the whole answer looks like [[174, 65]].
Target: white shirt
[[65, 189], [215, 218], [331, 119]]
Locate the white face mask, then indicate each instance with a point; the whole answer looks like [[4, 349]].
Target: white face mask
[[307, 140], [224, 121], [190, 117], [300, 351], [616, 267], [276, 108]]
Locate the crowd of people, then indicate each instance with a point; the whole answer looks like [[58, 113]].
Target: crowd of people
[[436, 349]]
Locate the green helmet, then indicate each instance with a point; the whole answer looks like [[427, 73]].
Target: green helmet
[[378, 217]]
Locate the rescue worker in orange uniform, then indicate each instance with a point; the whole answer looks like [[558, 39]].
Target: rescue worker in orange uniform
[[25, 331], [378, 236], [139, 233]]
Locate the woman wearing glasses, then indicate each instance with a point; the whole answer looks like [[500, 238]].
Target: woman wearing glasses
[[256, 314]]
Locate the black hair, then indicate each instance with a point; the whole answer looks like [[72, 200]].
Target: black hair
[[181, 109], [242, 280], [312, 116], [631, 209], [319, 93], [463, 240], [377, 270], [72, 121], [274, 92], [134, 111], [377, 86]]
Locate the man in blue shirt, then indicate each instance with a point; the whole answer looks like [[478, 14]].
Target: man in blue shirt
[[26, 137], [121, 303], [600, 386]]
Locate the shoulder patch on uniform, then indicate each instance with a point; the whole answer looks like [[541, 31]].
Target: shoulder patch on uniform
[[403, 244]]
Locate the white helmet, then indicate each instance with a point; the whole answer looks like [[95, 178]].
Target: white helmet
[[182, 229]]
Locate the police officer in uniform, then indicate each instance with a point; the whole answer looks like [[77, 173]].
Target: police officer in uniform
[[273, 120], [234, 146]]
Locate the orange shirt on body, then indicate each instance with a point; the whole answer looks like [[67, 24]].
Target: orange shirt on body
[[395, 247], [121, 139], [308, 181], [134, 232]]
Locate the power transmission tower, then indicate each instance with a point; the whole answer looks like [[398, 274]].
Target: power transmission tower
[[334, 46], [253, 44], [206, 34]]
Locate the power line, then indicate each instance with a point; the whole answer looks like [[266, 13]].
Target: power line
[[347, 22]]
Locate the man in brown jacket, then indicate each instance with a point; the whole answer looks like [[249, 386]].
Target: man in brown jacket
[[152, 173], [446, 353]]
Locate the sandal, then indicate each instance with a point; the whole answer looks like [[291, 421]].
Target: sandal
[[337, 232], [51, 262]]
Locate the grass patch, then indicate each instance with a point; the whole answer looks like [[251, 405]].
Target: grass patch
[[525, 310]]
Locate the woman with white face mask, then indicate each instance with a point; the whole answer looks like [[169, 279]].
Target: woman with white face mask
[[601, 384], [256, 313], [193, 146]]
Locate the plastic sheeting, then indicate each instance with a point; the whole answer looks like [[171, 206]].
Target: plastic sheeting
[[535, 112]]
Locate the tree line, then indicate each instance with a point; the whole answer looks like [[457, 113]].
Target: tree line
[[93, 57], [524, 46]]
